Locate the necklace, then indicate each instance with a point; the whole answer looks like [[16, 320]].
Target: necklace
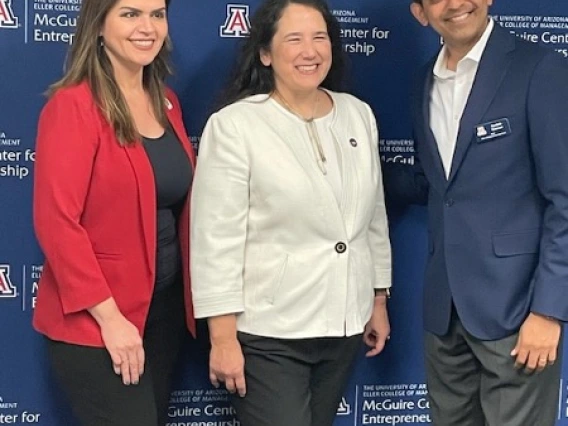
[[312, 129]]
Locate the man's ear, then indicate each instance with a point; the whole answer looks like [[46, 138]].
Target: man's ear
[[417, 11]]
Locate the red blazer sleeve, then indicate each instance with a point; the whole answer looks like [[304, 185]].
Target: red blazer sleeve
[[66, 149]]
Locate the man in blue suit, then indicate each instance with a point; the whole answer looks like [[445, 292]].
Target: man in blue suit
[[491, 134]]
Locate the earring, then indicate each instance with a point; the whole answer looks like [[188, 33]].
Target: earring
[[101, 41]]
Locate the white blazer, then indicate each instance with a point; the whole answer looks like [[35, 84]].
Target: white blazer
[[267, 230]]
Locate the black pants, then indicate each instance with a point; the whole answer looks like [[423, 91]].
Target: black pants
[[98, 396], [472, 382], [294, 382]]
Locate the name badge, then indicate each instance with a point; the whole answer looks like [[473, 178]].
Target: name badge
[[494, 129]]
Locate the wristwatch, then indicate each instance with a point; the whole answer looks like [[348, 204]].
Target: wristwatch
[[383, 292]]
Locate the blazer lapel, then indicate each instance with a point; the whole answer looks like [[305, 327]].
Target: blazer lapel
[[174, 117], [492, 69], [426, 130], [426, 145], [146, 184], [146, 193]]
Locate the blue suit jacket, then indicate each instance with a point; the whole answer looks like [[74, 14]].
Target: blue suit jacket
[[498, 226]]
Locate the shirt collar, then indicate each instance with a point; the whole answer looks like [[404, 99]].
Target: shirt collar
[[440, 70]]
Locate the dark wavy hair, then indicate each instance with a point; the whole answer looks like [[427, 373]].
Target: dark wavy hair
[[251, 77]]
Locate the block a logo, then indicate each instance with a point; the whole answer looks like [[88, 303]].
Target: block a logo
[[237, 23], [7, 289], [7, 17]]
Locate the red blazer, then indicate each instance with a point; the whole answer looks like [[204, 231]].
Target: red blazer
[[95, 219]]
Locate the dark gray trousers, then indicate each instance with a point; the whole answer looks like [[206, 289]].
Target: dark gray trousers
[[472, 382], [296, 382]]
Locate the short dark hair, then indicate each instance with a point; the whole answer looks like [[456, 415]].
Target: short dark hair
[[252, 77]]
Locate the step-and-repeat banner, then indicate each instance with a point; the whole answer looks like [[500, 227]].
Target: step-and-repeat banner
[[385, 47]]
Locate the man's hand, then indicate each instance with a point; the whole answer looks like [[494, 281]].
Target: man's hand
[[537, 343]]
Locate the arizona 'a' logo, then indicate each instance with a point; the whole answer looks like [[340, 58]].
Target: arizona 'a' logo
[[7, 17], [6, 287], [237, 23]]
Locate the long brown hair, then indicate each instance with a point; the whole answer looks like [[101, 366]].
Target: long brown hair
[[87, 61]]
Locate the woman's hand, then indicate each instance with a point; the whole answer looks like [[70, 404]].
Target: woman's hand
[[227, 364], [122, 341], [377, 330], [226, 361]]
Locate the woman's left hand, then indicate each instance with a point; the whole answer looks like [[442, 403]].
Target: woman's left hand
[[377, 330]]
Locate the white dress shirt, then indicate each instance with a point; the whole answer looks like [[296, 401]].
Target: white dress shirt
[[449, 95]]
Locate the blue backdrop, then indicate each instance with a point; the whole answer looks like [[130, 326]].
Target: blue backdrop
[[385, 47]]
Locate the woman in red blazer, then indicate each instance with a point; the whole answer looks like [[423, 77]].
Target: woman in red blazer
[[112, 178]]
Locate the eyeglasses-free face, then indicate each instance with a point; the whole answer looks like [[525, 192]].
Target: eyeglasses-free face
[[460, 23], [134, 32], [300, 51]]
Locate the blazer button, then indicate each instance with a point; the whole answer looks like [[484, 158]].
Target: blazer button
[[449, 202], [340, 247]]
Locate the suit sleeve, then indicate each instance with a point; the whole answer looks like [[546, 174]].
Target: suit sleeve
[[547, 110], [407, 184], [65, 151], [378, 230], [219, 211]]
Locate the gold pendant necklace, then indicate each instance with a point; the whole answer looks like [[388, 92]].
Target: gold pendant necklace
[[312, 129]]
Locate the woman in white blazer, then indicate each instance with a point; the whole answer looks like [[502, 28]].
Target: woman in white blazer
[[291, 261]]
